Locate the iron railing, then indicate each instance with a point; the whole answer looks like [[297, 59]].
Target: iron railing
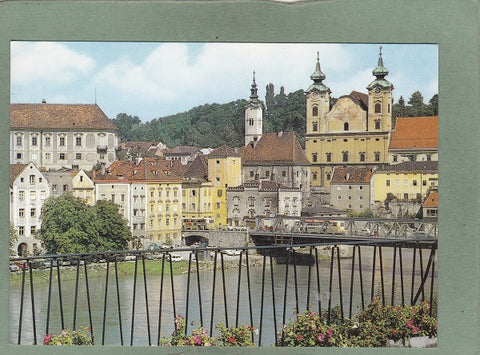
[[261, 286]]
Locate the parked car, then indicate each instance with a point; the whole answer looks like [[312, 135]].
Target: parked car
[[13, 267], [176, 257]]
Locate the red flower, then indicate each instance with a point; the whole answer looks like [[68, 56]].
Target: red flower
[[299, 337], [47, 338], [410, 323], [329, 332], [321, 337], [231, 340], [415, 330]]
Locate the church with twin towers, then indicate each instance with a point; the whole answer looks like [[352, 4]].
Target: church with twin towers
[[353, 132]]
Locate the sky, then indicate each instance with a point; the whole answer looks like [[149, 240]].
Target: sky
[[152, 80]]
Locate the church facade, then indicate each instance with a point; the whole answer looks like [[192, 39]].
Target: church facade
[[354, 132]]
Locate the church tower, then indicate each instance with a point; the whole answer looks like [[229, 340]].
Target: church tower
[[253, 116], [380, 100], [318, 101]]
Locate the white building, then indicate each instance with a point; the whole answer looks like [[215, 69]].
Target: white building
[[28, 191], [56, 136]]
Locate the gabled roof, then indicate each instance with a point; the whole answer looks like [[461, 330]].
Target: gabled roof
[[351, 175], [197, 169], [415, 133], [15, 170], [146, 170], [275, 149], [223, 152], [432, 200], [59, 116], [411, 166]]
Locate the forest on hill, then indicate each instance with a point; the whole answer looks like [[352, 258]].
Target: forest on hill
[[212, 125]]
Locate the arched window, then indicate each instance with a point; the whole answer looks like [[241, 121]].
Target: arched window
[[377, 124], [377, 156], [329, 176], [314, 157], [314, 175], [315, 126], [362, 156], [345, 126], [329, 157], [378, 107], [315, 111], [345, 156]]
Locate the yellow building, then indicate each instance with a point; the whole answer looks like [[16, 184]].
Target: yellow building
[[407, 181], [355, 131], [224, 170], [83, 187]]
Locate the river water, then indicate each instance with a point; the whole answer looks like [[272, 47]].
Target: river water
[[114, 333]]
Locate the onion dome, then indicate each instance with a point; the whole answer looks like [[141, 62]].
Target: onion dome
[[318, 76], [380, 72]]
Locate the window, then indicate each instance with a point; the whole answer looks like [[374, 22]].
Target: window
[[32, 230], [339, 197], [429, 157], [349, 197], [33, 195], [329, 175], [21, 230], [33, 212], [377, 124], [395, 158], [193, 192], [19, 156], [360, 187], [43, 194], [315, 111], [414, 182], [405, 196], [32, 179], [424, 182], [47, 156], [21, 212], [78, 141], [378, 107], [78, 156], [284, 173], [61, 142], [315, 126], [122, 198], [217, 205], [19, 140], [329, 157], [217, 162], [360, 197], [62, 156], [54, 188], [345, 126], [219, 193], [34, 141], [314, 176], [267, 173], [362, 156], [48, 141], [387, 183], [345, 156], [252, 174], [314, 157], [377, 156], [21, 195]]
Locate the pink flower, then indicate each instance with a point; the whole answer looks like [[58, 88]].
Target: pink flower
[[329, 332], [197, 340], [321, 337], [410, 323], [47, 338], [415, 330], [299, 337], [312, 314], [187, 342]]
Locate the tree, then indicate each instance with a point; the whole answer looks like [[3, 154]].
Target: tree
[[69, 225], [13, 239], [417, 107], [433, 105], [125, 123]]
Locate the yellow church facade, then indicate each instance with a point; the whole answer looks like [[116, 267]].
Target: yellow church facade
[[355, 131]]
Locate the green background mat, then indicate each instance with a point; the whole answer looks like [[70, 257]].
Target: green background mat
[[452, 24]]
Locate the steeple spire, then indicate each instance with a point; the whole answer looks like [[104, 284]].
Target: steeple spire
[[318, 76], [380, 72], [254, 90]]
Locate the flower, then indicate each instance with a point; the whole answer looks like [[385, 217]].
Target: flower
[[47, 338], [321, 337], [329, 332], [415, 330], [410, 323], [299, 337]]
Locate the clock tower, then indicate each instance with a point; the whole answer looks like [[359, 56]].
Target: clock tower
[[380, 99], [318, 101], [253, 116]]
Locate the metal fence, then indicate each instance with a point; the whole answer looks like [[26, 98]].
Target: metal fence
[[259, 286]]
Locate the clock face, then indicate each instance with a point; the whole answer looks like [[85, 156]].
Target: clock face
[[377, 90], [315, 95]]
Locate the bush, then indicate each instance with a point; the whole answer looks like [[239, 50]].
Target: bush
[[81, 336], [235, 336], [199, 336]]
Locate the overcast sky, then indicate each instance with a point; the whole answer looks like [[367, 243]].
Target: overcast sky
[[151, 80]]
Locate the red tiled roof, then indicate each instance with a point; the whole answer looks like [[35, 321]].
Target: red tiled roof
[[343, 175], [197, 169], [415, 133], [273, 148], [181, 150], [223, 152], [146, 170], [432, 200], [59, 116]]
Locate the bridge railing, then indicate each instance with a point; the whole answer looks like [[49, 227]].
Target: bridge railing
[[133, 297]]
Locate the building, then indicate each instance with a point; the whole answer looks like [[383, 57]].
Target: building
[[59, 181], [197, 195], [224, 170], [28, 191], [262, 198], [407, 181], [83, 187], [430, 206], [414, 139], [140, 149], [355, 131], [182, 153], [56, 136], [350, 188], [277, 157], [253, 116]]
